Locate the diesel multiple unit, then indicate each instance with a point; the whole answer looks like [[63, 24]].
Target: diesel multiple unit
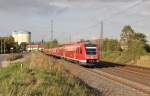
[[85, 53]]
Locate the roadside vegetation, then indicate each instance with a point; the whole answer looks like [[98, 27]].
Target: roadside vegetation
[[8, 45], [51, 44], [39, 76], [14, 56], [130, 48]]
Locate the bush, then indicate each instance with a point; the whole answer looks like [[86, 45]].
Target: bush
[[147, 48], [135, 51], [12, 57], [110, 56], [39, 77]]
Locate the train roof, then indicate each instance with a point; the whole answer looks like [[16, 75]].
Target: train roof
[[82, 42]]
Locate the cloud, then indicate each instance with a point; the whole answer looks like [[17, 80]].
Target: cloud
[[60, 4], [22, 7], [99, 8], [42, 5], [79, 13], [145, 13]]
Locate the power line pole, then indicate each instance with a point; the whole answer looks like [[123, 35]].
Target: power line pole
[[1, 46], [4, 46], [101, 37], [51, 30], [102, 30], [70, 37]]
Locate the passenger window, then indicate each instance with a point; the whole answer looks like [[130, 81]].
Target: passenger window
[[77, 50], [80, 51]]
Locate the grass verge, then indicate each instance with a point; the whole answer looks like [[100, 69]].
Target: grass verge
[[38, 76], [14, 56]]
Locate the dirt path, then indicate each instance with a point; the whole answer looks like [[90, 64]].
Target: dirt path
[[106, 85], [2, 58]]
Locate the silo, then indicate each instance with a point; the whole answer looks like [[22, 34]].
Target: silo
[[22, 36]]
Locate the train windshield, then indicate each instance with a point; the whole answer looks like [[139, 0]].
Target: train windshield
[[90, 49]]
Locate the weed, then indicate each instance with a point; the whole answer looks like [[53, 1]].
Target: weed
[[39, 76]]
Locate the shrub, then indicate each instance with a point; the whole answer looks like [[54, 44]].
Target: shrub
[[12, 57], [135, 51], [39, 76]]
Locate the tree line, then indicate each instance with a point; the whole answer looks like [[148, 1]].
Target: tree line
[[131, 45], [8, 45], [128, 39]]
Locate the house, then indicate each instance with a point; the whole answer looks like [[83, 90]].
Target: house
[[35, 47]]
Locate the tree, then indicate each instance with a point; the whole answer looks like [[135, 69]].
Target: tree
[[147, 47], [52, 44], [126, 35], [140, 36], [23, 46], [133, 44], [135, 50], [9, 43], [111, 45], [127, 29], [82, 40]]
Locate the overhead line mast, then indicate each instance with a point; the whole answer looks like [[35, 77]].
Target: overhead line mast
[[1, 46], [51, 30], [101, 37], [102, 24], [4, 46], [70, 37]]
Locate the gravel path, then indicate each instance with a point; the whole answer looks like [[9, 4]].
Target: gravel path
[[108, 86], [2, 58], [128, 75]]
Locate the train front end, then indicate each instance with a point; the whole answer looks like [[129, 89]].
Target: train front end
[[91, 54]]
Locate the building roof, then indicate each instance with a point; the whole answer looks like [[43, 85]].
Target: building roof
[[21, 32], [35, 46]]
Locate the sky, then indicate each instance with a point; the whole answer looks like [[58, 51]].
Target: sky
[[78, 19]]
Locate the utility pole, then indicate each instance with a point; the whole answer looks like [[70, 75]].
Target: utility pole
[[101, 37], [4, 47], [1, 46], [70, 37], [102, 30], [51, 30]]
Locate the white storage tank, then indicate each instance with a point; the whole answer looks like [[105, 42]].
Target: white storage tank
[[22, 36]]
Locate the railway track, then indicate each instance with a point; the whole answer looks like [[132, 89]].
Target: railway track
[[132, 76], [135, 78], [136, 72], [138, 69], [141, 81], [125, 81]]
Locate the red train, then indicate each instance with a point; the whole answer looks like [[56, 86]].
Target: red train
[[84, 53]]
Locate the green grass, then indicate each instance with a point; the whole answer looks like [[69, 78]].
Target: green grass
[[39, 77], [110, 56], [148, 54], [122, 57]]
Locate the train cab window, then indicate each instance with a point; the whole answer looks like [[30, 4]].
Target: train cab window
[[90, 49]]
